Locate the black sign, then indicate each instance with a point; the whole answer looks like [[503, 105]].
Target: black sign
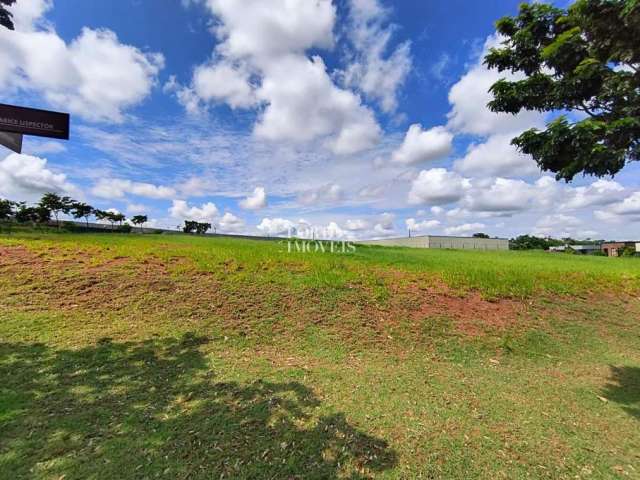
[[31, 121], [12, 141]]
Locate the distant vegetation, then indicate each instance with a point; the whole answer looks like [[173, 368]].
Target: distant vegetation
[[51, 206]]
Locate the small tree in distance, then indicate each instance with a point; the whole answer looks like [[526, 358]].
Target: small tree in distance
[[56, 204], [82, 210], [139, 220], [481, 235]]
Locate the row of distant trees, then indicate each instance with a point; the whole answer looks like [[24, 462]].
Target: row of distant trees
[[531, 242], [54, 205], [51, 206]]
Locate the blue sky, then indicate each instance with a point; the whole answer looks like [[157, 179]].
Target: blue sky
[[353, 118]]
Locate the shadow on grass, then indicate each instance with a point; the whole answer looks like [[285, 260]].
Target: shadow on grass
[[624, 388], [154, 409]]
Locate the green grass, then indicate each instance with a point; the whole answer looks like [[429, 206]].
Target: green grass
[[127, 356]]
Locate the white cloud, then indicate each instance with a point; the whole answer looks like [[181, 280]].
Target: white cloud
[[600, 192], [275, 226], [25, 178], [470, 95], [273, 27], [94, 75], [136, 208], [628, 210], [329, 193], [260, 61], [496, 156], [464, 229], [553, 224], [424, 225], [118, 188], [386, 221], [502, 195], [255, 201], [378, 75], [303, 104], [357, 225], [224, 82], [437, 187], [230, 223], [181, 210], [423, 145]]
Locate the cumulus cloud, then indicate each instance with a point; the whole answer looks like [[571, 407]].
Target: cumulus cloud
[[374, 68], [255, 201], [230, 223], [464, 229], [304, 104], [424, 225], [502, 195], [260, 62], [25, 177], [118, 188], [275, 226], [470, 95], [559, 225], [494, 157], [600, 192], [329, 193], [224, 82], [95, 75], [423, 145], [357, 225], [181, 210], [628, 210], [437, 187]]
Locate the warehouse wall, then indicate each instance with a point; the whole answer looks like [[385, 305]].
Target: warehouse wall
[[431, 241]]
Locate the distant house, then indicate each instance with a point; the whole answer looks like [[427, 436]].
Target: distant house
[[581, 249], [438, 241], [615, 249]]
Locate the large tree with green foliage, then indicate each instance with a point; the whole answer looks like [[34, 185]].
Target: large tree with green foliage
[[5, 15], [585, 59]]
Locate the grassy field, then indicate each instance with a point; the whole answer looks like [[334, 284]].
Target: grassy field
[[129, 356]]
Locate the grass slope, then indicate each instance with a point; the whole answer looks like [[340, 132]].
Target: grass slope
[[125, 356]]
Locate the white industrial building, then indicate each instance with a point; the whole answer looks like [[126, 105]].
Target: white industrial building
[[437, 241]]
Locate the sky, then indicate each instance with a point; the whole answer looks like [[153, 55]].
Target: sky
[[343, 119]]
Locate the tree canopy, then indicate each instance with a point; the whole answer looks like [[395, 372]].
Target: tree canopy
[[5, 15], [583, 62]]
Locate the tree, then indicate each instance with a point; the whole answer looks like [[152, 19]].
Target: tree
[[481, 235], [202, 228], [118, 217], [139, 220], [56, 204], [585, 59], [5, 15], [82, 210], [191, 226], [104, 215], [7, 209], [37, 214]]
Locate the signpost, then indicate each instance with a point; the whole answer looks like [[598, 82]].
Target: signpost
[[18, 121], [12, 141]]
